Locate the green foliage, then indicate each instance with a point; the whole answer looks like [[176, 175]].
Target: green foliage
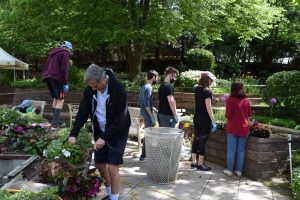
[[27, 195], [283, 122], [248, 80], [296, 183], [285, 87], [6, 77], [200, 59], [34, 82], [8, 117], [296, 158], [76, 77], [220, 115], [61, 148]]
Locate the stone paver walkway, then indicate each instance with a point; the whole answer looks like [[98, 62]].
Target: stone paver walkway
[[190, 184]]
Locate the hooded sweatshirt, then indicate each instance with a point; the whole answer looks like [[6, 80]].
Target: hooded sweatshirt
[[56, 66]]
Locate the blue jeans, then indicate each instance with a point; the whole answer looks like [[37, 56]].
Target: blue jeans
[[235, 147]]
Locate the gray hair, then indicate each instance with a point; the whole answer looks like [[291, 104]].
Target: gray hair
[[94, 72]]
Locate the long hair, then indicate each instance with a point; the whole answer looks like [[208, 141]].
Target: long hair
[[237, 90], [204, 81]]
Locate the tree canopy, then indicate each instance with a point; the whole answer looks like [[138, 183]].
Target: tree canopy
[[30, 27]]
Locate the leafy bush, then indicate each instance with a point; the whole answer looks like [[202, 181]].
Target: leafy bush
[[188, 78], [296, 183], [284, 86], [8, 117], [76, 77], [296, 158], [75, 80], [288, 123], [23, 194], [61, 148], [6, 77], [34, 82], [200, 59]]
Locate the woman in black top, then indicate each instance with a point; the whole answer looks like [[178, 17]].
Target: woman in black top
[[203, 121]]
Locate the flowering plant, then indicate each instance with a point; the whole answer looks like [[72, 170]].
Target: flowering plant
[[273, 102], [259, 130], [80, 187], [63, 149], [29, 138]]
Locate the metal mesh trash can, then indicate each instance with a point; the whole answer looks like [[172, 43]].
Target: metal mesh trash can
[[163, 147]]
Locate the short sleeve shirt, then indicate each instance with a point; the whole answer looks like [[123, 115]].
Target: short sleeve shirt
[[165, 90], [200, 95]]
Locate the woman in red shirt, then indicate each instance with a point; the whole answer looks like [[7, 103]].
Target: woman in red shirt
[[238, 110]]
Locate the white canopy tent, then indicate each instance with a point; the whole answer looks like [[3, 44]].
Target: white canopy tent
[[7, 61]]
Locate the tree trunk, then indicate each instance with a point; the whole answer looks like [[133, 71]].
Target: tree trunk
[[135, 53]]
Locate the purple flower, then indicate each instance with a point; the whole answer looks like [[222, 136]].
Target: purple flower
[[224, 97], [273, 101], [20, 129]]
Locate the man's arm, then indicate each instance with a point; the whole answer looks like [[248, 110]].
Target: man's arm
[[147, 100], [172, 104]]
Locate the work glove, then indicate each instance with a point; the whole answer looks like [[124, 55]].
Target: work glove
[[66, 88], [214, 127], [176, 118]]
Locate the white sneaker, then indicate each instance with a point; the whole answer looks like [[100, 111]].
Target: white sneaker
[[238, 173], [227, 172]]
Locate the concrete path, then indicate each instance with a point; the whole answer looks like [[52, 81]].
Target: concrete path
[[190, 184]]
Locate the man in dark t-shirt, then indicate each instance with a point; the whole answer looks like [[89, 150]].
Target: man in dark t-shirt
[[167, 115]]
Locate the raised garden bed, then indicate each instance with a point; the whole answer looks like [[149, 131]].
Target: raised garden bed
[[265, 157]]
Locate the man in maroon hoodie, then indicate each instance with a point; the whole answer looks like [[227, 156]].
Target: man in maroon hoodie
[[55, 74]]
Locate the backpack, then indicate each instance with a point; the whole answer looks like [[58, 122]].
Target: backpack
[[24, 105]]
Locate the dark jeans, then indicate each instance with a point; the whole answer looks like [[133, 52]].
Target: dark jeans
[[166, 120], [147, 123]]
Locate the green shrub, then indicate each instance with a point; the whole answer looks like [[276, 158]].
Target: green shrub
[[188, 78], [288, 123], [34, 82], [296, 158], [6, 77], [296, 183], [200, 59], [285, 87], [76, 77]]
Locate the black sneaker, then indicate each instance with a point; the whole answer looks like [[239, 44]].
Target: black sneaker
[[106, 198], [203, 168], [193, 165], [142, 158], [61, 124]]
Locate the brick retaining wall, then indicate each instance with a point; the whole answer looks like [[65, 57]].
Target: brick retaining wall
[[265, 157]]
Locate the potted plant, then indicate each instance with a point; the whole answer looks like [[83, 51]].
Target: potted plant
[[260, 130]]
